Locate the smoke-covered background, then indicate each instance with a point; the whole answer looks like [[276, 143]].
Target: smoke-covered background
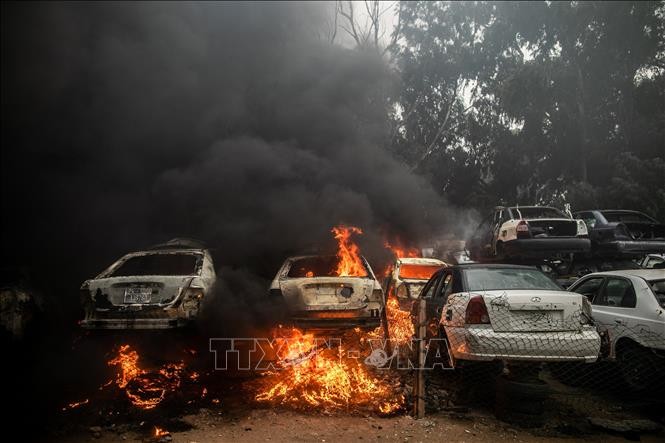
[[124, 125]]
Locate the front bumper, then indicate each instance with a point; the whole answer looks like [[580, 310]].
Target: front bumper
[[481, 343], [135, 323], [634, 247], [533, 247]]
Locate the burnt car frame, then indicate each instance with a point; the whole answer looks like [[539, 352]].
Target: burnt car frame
[[317, 299], [528, 232], [619, 232], [159, 288]]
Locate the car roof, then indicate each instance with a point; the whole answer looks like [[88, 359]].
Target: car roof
[[532, 206], [646, 274], [420, 261]]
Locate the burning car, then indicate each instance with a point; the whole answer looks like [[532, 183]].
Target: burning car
[[159, 288], [408, 276], [622, 232], [508, 312], [321, 294], [528, 232]]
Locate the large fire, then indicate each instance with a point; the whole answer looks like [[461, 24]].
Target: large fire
[[400, 324], [350, 264], [144, 389], [313, 375]]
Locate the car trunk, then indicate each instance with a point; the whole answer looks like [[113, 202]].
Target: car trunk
[[143, 290], [553, 228], [533, 310], [646, 231], [327, 293]]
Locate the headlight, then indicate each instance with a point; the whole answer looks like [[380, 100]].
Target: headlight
[[581, 228], [403, 291]]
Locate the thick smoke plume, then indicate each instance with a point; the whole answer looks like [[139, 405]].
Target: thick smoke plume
[[127, 124]]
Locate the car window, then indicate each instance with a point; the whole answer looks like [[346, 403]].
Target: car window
[[658, 289], [428, 290], [621, 216], [490, 279], [159, 264], [446, 286], [618, 292], [590, 288]]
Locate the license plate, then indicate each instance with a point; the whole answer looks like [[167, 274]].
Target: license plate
[[138, 295]]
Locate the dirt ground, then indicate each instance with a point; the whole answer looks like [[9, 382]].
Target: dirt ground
[[265, 425]]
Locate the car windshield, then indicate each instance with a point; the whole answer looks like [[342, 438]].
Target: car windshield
[[489, 279], [531, 212], [420, 272], [319, 266], [621, 216], [158, 264], [658, 288]]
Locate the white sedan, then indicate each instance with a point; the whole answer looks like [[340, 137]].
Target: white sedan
[[629, 306], [507, 312]]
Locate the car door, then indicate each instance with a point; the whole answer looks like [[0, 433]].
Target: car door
[[427, 294], [615, 307]]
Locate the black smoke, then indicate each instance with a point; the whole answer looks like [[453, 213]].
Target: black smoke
[[124, 125]]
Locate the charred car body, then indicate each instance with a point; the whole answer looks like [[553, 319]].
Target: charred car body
[[623, 233], [159, 288], [528, 232], [409, 275], [317, 297]]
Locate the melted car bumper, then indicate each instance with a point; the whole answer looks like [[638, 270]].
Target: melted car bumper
[[135, 323]]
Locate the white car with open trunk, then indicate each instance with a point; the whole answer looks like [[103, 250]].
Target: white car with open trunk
[[508, 312]]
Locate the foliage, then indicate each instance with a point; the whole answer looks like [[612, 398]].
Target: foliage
[[534, 102]]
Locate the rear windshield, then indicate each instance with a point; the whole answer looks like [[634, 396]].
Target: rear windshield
[[540, 212], [422, 272], [498, 279], [658, 288], [159, 264], [320, 266], [611, 216]]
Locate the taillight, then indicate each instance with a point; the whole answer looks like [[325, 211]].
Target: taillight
[[523, 229], [476, 312]]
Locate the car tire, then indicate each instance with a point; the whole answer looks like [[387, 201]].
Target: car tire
[[519, 402], [640, 368]]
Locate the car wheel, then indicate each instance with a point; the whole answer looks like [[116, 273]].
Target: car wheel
[[520, 402], [639, 367]]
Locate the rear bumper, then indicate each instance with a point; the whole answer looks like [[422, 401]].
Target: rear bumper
[[540, 246], [326, 319], [484, 344], [636, 247], [135, 323]]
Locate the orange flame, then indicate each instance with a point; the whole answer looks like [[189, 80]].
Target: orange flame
[[401, 251], [350, 264], [400, 324], [159, 432], [317, 376], [144, 389], [76, 404]]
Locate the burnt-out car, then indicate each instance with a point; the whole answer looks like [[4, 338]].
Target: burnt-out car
[[318, 297], [159, 288], [623, 232], [528, 232]]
